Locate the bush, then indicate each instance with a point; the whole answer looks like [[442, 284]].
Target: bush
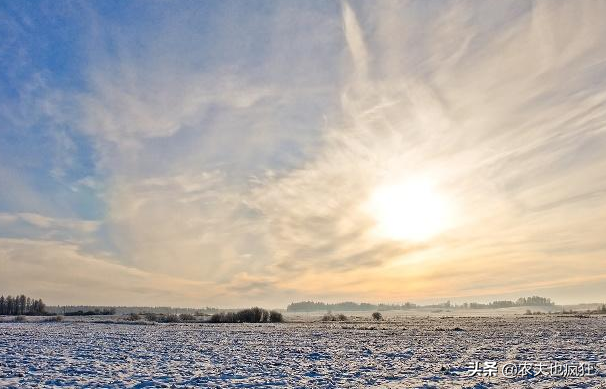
[[19, 319], [276, 317], [251, 315], [377, 316], [133, 317], [187, 317], [151, 316], [328, 317], [81, 313], [223, 317], [171, 318], [53, 319], [95, 312]]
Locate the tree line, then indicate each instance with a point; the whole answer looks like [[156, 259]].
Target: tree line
[[125, 310], [533, 301], [313, 306], [21, 305]]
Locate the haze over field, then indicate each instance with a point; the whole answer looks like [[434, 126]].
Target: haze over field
[[230, 153]]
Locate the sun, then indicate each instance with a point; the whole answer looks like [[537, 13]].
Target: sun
[[411, 210]]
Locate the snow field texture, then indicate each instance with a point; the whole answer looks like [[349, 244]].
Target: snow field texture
[[404, 352]]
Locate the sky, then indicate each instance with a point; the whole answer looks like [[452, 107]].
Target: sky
[[232, 153]]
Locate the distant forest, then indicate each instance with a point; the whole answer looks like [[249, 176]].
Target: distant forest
[[85, 310], [313, 306], [21, 305], [534, 301]]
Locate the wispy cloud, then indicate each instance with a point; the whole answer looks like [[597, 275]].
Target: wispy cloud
[[499, 121], [236, 161], [45, 222]]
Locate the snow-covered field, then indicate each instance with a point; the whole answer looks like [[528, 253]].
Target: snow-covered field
[[400, 352]]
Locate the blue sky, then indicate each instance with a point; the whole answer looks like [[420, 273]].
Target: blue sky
[[228, 152]]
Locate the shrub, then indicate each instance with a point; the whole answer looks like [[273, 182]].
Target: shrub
[[187, 317], [377, 316], [133, 317], [92, 312], [223, 317], [19, 319], [171, 318], [328, 317], [251, 315], [275, 317], [151, 316], [53, 319], [80, 313]]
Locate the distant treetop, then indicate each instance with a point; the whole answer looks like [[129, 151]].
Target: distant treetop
[[21, 305], [313, 306]]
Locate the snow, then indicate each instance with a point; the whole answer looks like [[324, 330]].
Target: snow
[[401, 352]]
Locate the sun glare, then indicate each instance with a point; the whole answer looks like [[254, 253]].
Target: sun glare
[[412, 210]]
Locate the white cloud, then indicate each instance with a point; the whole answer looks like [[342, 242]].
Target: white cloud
[[37, 220], [57, 270], [40, 226], [226, 176], [191, 225], [126, 105], [505, 132]]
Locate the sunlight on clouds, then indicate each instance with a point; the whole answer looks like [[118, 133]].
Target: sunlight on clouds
[[488, 131], [371, 150], [410, 210], [60, 268]]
